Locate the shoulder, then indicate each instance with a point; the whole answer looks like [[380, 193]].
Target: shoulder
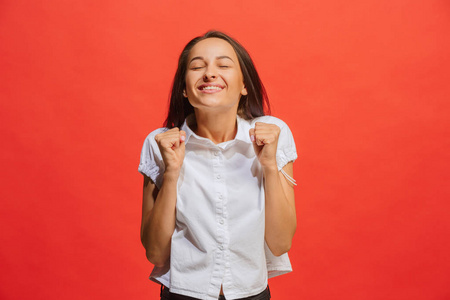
[[286, 149], [151, 163], [150, 148], [150, 144]]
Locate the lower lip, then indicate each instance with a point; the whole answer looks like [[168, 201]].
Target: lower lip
[[212, 91]]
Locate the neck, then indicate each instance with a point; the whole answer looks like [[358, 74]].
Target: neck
[[219, 128]]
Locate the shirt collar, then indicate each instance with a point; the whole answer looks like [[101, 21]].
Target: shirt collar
[[243, 127]]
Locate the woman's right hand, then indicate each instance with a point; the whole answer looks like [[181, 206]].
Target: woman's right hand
[[171, 144]]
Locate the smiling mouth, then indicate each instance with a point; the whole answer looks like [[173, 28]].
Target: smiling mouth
[[210, 88]]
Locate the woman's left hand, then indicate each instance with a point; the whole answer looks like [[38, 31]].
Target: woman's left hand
[[265, 140]]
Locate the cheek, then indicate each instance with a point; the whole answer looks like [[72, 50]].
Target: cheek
[[239, 84], [239, 80], [188, 85], [190, 82]]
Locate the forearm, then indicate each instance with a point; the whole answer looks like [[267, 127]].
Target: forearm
[[281, 221], [160, 222]]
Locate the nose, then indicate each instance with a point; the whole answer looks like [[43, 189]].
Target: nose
[[209, 75]]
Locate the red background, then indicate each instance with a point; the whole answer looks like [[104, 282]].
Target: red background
[[364, 86]]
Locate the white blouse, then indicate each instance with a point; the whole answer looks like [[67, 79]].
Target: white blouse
[[219, 233]]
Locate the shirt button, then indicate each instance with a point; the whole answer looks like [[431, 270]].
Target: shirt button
[[216, 153], [220, 196], [218, 176], [221, 247], [221, 221]]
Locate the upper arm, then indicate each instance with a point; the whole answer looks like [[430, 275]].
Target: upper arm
[[288, 187], [150, 192]]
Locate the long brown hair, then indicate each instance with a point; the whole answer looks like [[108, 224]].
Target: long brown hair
[[250, 106]]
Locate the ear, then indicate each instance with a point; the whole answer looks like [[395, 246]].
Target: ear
[[184, 94], [244, 91]]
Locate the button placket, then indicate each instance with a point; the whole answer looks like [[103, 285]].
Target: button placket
[[222, 238]]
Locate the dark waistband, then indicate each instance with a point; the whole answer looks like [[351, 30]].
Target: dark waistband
[[167, 295]]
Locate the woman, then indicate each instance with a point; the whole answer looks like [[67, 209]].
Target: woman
[[218, 210]]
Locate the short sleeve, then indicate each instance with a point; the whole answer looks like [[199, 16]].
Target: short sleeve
[[151, 163], [286, 150]]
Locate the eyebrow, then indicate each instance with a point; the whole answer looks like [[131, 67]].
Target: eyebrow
[[217, 58]]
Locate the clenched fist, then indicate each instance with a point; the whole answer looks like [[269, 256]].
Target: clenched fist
[[171, 144], [265, 140]]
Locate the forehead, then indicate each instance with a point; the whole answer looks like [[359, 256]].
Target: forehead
[[211, 48]]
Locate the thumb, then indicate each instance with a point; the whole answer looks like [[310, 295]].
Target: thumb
[[182, 136], [253, 139], [182, 144], [252, 134], [182, 147]]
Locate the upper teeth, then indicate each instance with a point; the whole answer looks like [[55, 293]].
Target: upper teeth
[[212, 87]]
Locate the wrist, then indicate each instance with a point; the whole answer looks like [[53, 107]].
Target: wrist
[[270, 168], [171, 175]]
